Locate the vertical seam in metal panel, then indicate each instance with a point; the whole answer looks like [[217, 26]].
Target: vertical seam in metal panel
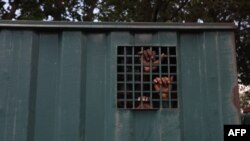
[[33, 86], [14, 73], [105, 89], [57, 117], [8, 85], [17, 56], [83, 87], [219, 79], [179, 87], [202, 81], [197, 41]]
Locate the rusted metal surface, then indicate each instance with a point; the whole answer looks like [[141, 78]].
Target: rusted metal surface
[[236, 98]]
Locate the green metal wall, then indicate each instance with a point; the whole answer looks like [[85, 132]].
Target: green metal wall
[[58, 82]]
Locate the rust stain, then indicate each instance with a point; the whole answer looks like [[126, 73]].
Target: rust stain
[[236, 98]]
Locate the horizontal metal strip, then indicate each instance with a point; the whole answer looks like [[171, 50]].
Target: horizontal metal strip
[[139, 109], [118, 26], [145, 46], [121, 91], [138, 65], [131, 100], [138, 73], [139, 82], [137, 56]]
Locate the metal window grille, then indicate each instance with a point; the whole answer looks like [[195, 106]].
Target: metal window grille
[[146, 77]]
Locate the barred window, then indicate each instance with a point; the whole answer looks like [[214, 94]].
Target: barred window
[[146, 77]]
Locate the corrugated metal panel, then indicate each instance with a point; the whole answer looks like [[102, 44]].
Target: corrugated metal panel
[[208, 79], [60, 84]]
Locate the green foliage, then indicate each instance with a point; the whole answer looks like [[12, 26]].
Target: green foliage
[[31, 11], [236, 11]]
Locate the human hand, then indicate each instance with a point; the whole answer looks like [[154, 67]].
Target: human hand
[[163, 84], [144, 103], [148, 56]]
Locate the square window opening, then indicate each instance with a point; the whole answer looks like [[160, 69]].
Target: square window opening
[[147, 77]]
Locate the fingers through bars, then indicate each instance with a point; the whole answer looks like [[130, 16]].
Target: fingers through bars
[[147, 77]]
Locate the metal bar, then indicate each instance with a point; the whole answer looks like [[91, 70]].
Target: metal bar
[[123, 99], [176, 76], [139, 55], [125, 77], [160, 73], [142, 70], [138, 82], [144, 91], [133, 77], [136, 65], [169, 85], [118, 26], [137, 73], [151, 80]]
